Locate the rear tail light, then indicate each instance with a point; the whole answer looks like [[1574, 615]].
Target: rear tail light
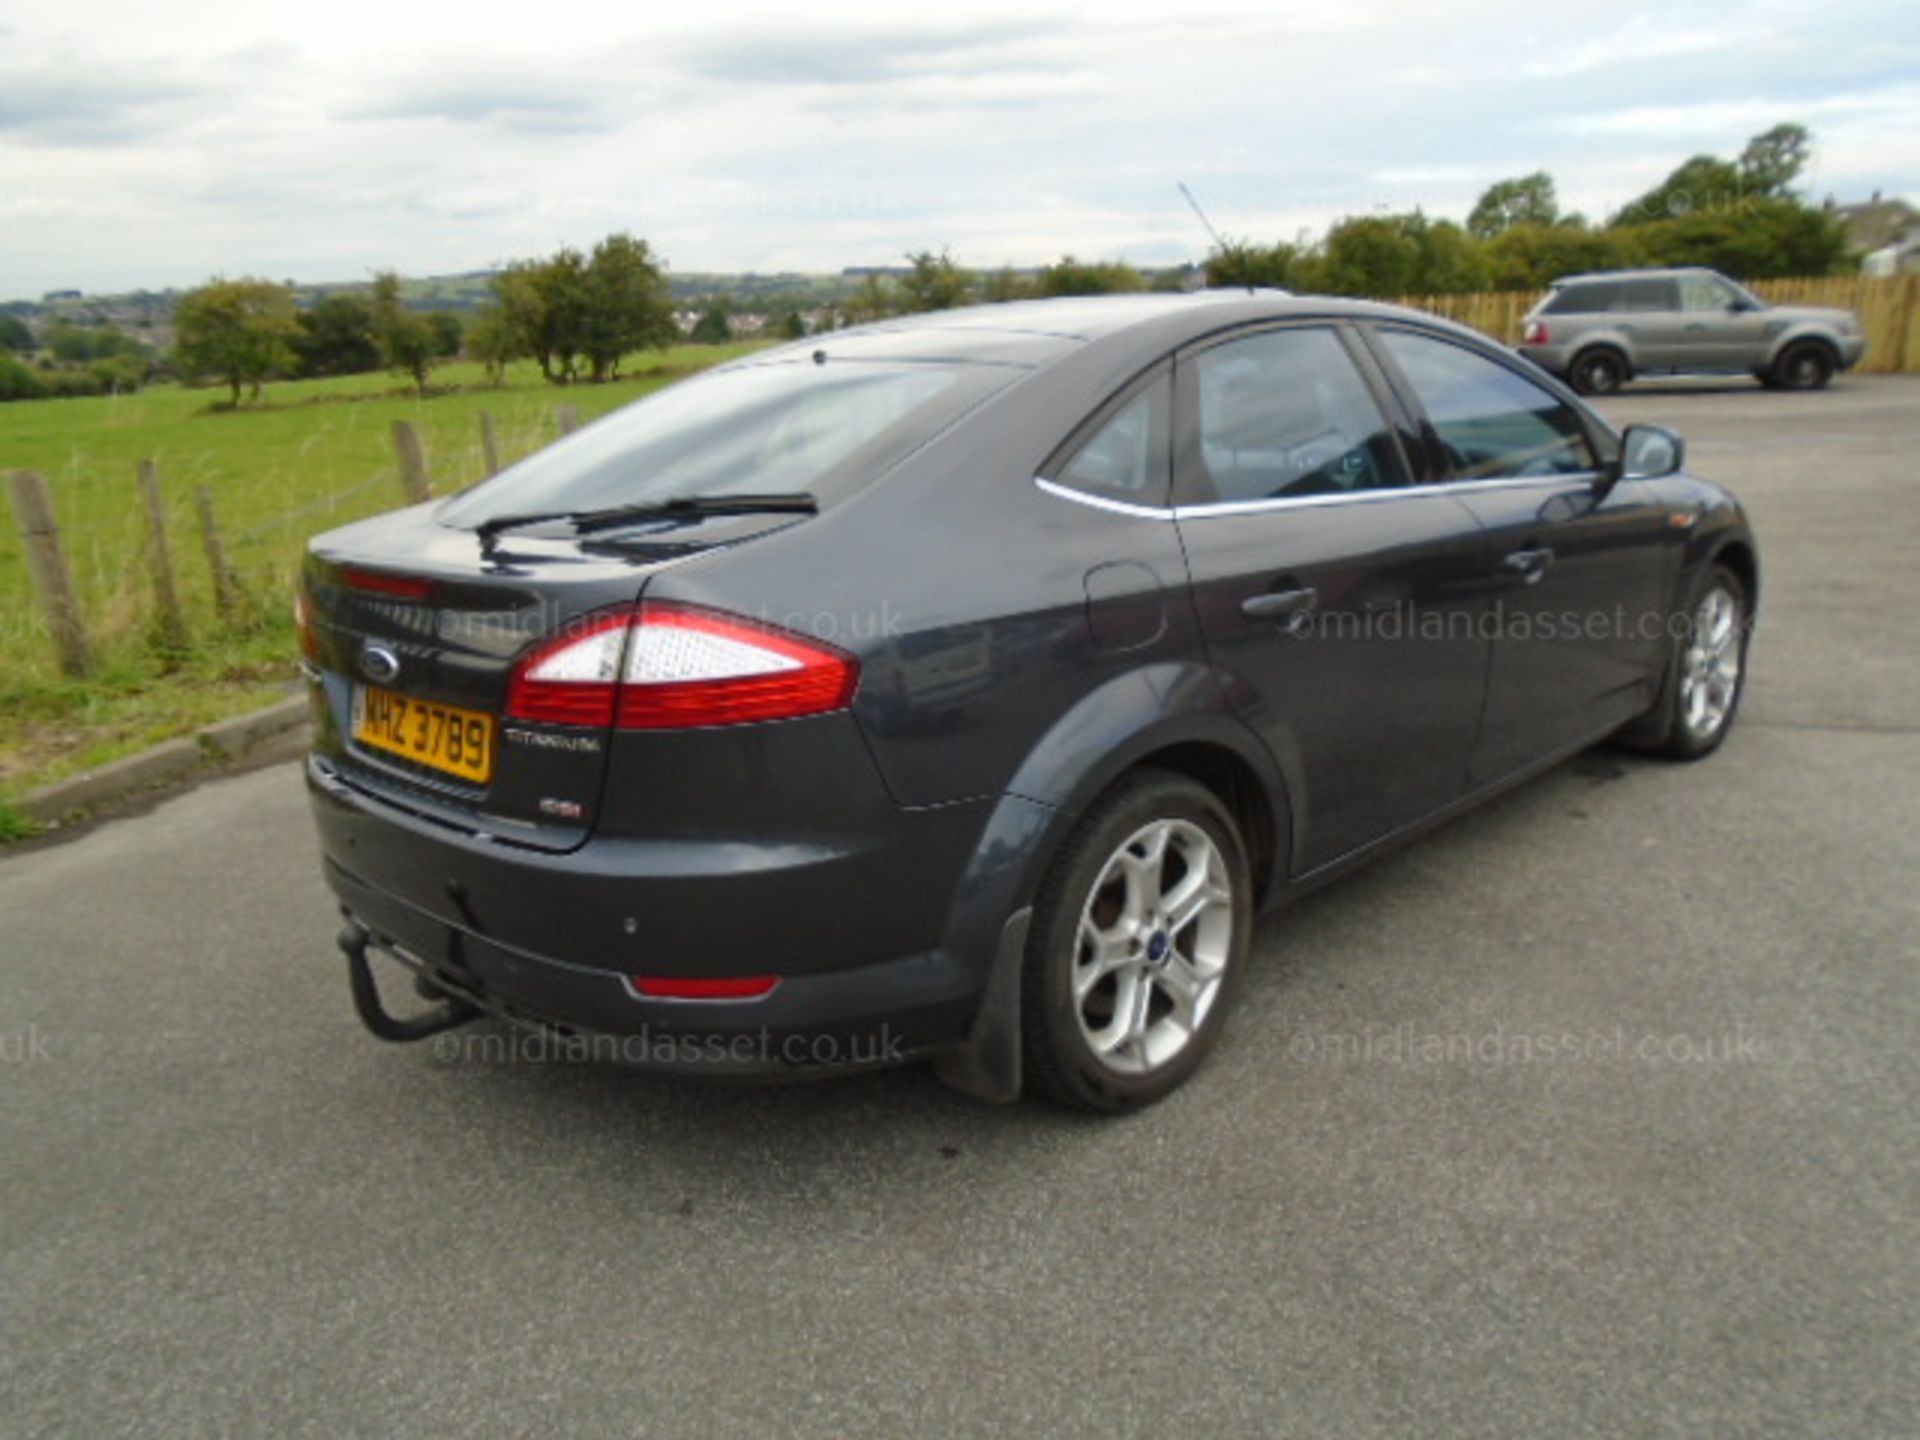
[[1535, 333], [572, 678], [303, 621], [665, 667]]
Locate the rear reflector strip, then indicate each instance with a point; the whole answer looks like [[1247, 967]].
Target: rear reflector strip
[[403, 587], [739, 987]]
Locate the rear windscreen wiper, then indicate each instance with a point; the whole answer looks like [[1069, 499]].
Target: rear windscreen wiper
[[588, 522]]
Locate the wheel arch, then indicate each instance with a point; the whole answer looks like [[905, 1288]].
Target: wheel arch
[[1610, 343], [1794, 338], [1173, 716]]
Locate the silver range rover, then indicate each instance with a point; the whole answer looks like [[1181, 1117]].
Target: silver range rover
[[1599, 331]]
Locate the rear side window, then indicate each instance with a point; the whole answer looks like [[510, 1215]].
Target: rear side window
[[1126, 456], [1285, 414], [1588, 299], [775, 428], [1493, 423], [1643, 295]]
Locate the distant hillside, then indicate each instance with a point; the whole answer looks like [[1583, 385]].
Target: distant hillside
[[148, 309]]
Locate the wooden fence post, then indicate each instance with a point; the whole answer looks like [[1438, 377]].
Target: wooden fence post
[[1906, 357], [33, 510], [172, 624], [568, 417], [226, 587], [413, 462], [489, 443]]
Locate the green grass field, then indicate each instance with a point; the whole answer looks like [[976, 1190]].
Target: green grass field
[[311, 455]]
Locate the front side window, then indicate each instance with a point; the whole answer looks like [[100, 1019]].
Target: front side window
[[1492, 423], [1285, 414], [775, 428], [1707, 292], [1126, 456]]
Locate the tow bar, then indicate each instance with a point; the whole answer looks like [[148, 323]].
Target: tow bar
[[354, 941]]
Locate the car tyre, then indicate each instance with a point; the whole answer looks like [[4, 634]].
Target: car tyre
[[1598, 372], [1707, 674], [1140, 935], [1806, 366]]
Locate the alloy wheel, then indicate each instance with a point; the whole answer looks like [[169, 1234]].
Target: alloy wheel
[[1152, 947], [1710, 669]]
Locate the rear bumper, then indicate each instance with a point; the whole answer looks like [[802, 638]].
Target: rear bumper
[[852, 931], [1550, 358], [1853, 349]]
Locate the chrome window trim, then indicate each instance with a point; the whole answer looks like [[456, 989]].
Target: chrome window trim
[[1306, 502], [1100, 502]]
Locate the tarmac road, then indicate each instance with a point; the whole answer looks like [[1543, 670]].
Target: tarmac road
[[1382, 1209]]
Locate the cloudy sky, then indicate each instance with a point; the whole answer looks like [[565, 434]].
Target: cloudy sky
[[151, 145]]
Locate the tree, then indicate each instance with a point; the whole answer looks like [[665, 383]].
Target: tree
[[713, 327], [1774, 159], [79, 344], [493, 341], [1762, 239], [625, 305], [1006, 284], [1529, 257], [407, 339], [237, 331], [1701, 183], [545, 301], [934, 283], [1522, 200], [1100, 277], [448, 332], [336, 337], [874, 300], [791, 326], [1240, 263], [18, 381], [1387, 256], [14, 334]]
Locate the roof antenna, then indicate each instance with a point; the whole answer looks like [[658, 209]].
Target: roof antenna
[[1218, 240]]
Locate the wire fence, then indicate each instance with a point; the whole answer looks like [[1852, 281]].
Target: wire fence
[[153, 576]]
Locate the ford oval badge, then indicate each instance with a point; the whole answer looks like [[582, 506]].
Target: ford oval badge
[[378, 663]]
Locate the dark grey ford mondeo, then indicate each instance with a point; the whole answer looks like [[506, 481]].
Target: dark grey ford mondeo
[[965, 686]]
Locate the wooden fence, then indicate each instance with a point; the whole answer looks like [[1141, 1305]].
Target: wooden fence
[[1889, 308]]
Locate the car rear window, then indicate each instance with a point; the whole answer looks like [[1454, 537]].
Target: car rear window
[[774, 428]]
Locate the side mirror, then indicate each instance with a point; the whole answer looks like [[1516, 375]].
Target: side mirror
[[1648, 452]]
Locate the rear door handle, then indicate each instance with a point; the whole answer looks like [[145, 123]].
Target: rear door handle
[[1291, 607], [1530, 565]]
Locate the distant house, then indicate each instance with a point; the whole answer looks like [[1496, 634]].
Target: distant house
[[53, 295], [1887, 231]]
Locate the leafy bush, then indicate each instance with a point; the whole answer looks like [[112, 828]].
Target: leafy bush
[[19, 381]]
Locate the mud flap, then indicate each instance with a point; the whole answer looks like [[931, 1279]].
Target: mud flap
[[987, 1066]]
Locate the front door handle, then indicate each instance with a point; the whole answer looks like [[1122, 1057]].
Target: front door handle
[[1530, 565], [1293, 608]]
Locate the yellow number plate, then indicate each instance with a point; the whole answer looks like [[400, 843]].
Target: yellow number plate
[[460, 742]]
